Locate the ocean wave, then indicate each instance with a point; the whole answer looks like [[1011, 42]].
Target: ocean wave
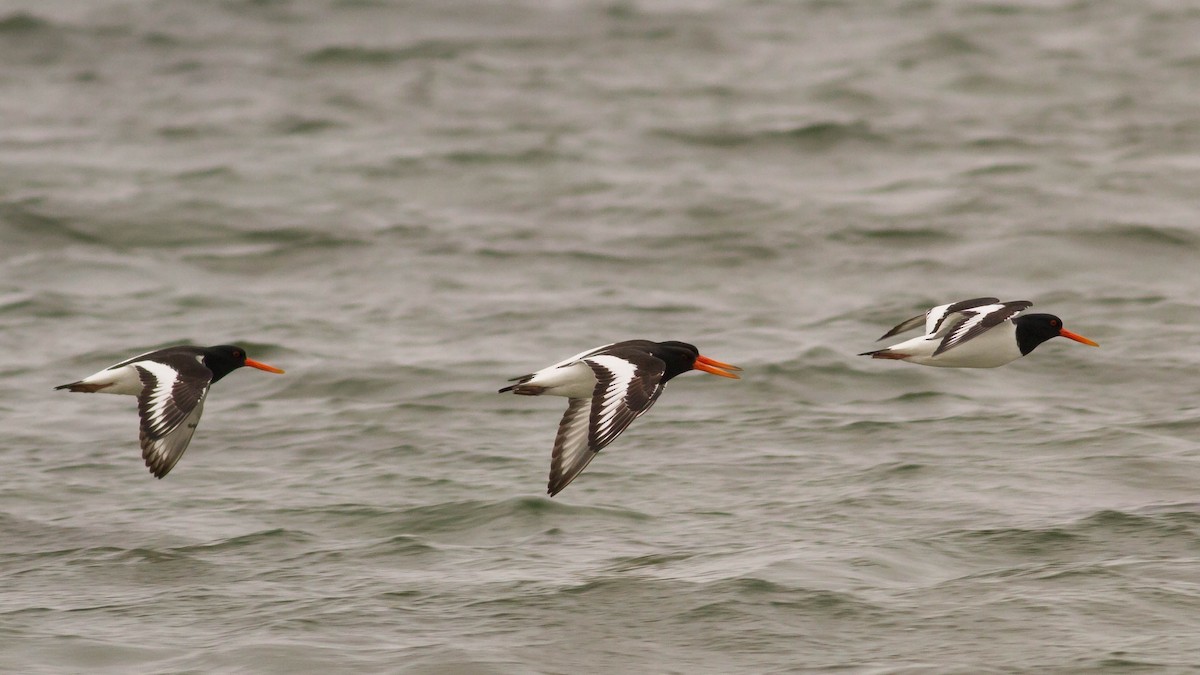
[[824, 135], [28, 223], [276, 537], [937, 47], [23, 23], [506, 513], [376, 56], [1107, 530], [1123, 233]]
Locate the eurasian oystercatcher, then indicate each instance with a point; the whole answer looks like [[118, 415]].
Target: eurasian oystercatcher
[[608, 388], [170, 385], [976, 333]]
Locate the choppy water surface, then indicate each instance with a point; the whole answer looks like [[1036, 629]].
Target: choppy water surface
[[405, 204]]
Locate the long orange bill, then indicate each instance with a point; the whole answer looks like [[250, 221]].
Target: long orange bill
[[1078, 338], [262, 366], [715, 367]]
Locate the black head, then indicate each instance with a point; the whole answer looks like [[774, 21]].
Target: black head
[[224, 359], [1034, 329], [681, 357]]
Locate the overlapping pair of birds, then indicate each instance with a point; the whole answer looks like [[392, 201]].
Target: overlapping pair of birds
[[607, 387]]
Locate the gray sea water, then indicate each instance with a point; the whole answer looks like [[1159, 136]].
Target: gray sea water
[[405, 204]]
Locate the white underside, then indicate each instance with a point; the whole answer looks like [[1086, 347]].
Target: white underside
[[993, 348], [121, 380], [159, 397], [575, 380]]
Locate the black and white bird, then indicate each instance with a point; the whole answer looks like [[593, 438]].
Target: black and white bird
[[976, 333], [170, 385], [607, 388]]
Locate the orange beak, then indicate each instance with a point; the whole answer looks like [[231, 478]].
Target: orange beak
[[1078, 338], [715, 367], [262, 366]]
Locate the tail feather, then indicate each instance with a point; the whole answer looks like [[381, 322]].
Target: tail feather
[[83, 387], [886, 354], [525, 390], [520, 387]]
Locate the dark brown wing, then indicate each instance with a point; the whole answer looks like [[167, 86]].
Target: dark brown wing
[[627, 385], [170, 406], [979, 322]]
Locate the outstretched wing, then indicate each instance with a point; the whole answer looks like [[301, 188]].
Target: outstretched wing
[[939, 317], [936, 318], [571, 453], [979, 320], [626, 386], [169, 406], [905, 326], [561, 364]]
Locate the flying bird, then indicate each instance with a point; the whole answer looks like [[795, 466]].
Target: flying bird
[[976, 333], [607, 389], [170, 385]]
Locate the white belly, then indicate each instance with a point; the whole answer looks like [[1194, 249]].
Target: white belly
[[121, 380], [994, 348], [573, 381]]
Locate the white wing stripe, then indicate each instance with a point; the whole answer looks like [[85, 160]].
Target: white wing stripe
[[934, 318], [623, 373], [162, 453], [937, 317], [571, 450], [979, 320], [164, 378], [578, 357]]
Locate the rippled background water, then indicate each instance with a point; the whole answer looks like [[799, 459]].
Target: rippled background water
[[405, 204]]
